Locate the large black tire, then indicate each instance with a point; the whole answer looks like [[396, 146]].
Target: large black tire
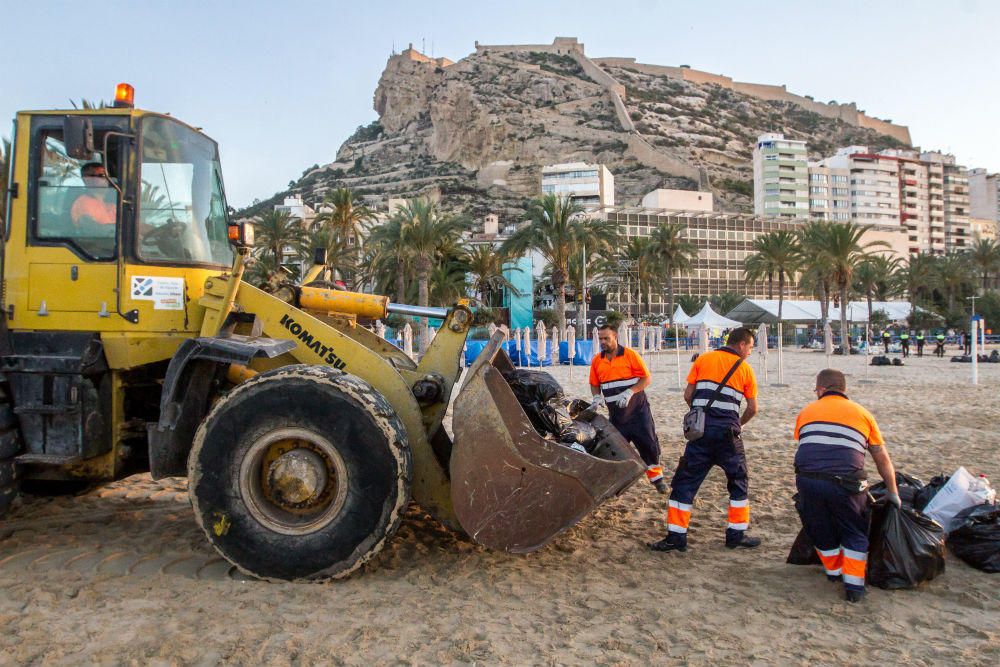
[[294, 414], [10, 446]]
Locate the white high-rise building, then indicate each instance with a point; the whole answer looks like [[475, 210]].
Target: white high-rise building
[[590, 185], [984, 195], [780, 177], [872, 184]]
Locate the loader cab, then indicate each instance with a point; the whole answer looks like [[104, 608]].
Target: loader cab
[[116, 218]]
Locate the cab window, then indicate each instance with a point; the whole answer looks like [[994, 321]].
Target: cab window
[[76, 202], [182, 211]]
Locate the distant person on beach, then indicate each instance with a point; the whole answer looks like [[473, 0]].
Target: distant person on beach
[[618, 379], [939, 345], [834, 433], [886, 339], [904, 340], [721, 444], [966, 343], [920, 344]]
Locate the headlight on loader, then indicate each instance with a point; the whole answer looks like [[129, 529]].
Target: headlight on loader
[[241, 235]]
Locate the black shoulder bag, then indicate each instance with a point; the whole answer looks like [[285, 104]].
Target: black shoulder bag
[[694, 420]]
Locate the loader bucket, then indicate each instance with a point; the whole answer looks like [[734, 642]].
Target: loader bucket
[[512, 489]]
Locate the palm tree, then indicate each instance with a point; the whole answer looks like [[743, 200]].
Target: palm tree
[[486, 264], [639, 252], [984, 255], [87, 105], [915, 279], [427, 237], [343, 211], [673, 253], [341, 256], [386, 264], [448, 282], [876, 278], [846, 250], [776, 252], [726, 301], [815, 263], [276, 231], [554, 231], [953, 273]]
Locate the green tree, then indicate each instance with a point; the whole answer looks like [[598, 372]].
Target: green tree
[[342, 216], [341, 256], [984, 255], [639, 252], [344, 212], [427, 238], [554, 230], [486, 266], [953, 272], [816, 264], [674, 254], [726, 301], [916, 280], [876, 278], [277, 232], [386, 263], [846, 249], [775, 253]]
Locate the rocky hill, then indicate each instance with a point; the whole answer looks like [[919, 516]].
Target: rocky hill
[[479, 130]]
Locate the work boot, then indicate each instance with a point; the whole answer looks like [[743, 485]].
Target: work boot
[[672, 542], [743, 541], [660, 485], [853, 595]]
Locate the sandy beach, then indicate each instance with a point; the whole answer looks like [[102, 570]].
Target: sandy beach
[[121, 575]]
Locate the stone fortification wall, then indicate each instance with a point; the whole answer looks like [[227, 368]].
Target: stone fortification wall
[[560, 45], [899, 132], [846, 112], [649, 156]]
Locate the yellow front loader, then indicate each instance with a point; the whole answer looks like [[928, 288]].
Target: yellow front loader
[[130, 343]]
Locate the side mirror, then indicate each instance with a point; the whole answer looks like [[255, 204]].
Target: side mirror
[[78, 136]]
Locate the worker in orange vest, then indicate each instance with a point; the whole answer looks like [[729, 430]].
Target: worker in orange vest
[[618, 379], [834, 433]]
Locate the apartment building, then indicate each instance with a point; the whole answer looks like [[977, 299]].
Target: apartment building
[[949, 196], [590, 185], [780, 177], [829, 193], [871, 188], [679, 200], [984, 195]]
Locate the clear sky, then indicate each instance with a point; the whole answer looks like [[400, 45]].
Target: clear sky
[[280, 85]]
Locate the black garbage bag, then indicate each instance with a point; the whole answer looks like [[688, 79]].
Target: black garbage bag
[[803, 551], [533, 386], [898, 362], [569, 431], [533, 390], [925, 494], [908, 486], [880, 360], [977, 538], [905, 547]]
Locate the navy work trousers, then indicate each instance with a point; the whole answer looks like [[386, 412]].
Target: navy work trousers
[[721, 446], [836, 521], [635, 423]]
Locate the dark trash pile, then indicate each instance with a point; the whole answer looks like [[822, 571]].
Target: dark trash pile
[[882, 360], [555, 417], [906, 546], [991, 358]]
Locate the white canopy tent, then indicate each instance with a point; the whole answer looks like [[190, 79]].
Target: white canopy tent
[[755, 311], [710, 320], [680, 317]]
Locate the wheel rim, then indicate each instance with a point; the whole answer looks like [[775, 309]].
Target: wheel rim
[[293, 481]]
